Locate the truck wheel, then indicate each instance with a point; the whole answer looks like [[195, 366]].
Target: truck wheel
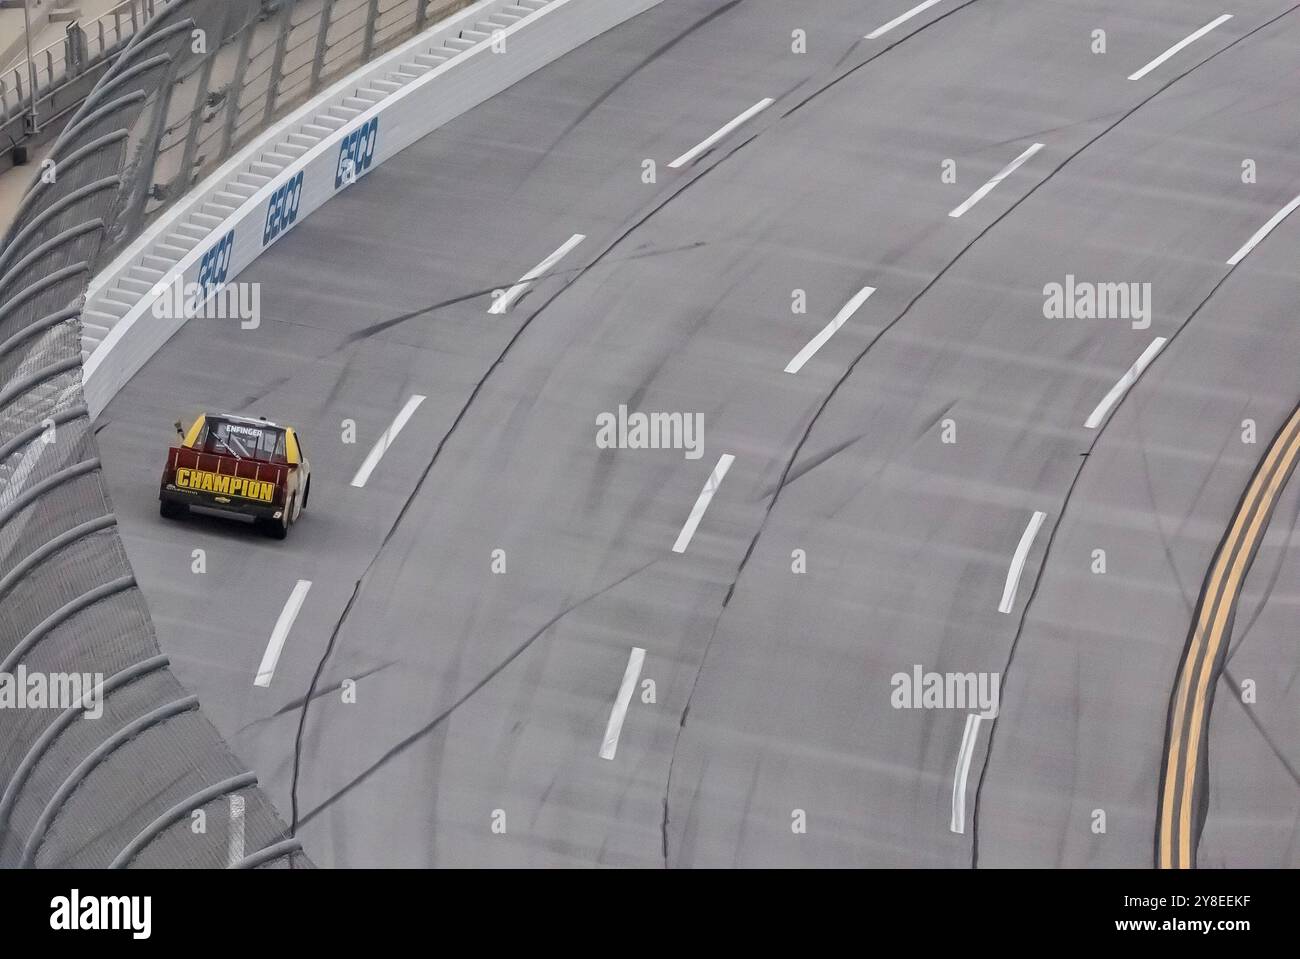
[[169, 510], [279, 528]]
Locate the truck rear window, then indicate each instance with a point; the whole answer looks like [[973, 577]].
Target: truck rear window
[[244, 441]]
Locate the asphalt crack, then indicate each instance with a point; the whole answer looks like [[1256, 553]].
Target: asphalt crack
[[405, 743]]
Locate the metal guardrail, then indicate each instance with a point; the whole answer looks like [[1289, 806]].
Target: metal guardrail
[[260, 60], [296, 48], [83, 47]]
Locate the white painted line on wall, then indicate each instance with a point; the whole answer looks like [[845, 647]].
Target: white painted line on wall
[[386, 440], [281, 633], [609, 745], [701, 504]]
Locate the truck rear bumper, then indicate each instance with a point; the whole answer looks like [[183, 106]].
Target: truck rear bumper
[[222, 504]]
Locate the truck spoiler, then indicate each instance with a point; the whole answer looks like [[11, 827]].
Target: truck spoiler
[[242, 480]]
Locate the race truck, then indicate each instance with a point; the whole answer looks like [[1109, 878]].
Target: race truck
[[240, 466]]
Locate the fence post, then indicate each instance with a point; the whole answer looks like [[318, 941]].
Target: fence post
[[322, 42], [372, 15], [75, 49], [201, 97], [196, 121], [32, 123], [277, 63], [132, 220], [236, 84]]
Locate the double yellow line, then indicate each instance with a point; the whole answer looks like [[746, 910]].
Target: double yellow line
[[1207, 643]]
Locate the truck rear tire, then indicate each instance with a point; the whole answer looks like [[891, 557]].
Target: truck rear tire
[[279, 528]]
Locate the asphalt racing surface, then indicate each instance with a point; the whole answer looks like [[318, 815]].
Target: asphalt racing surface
[[947, 479]]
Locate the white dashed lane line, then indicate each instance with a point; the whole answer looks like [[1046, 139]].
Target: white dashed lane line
[[386, 440], [1117, 391], [987, 188], [281, 632], [1186, 41], [903, 18], [962, 773], [1264, 231], [694, 152], [818, 341], [1018, 561], [609, 745], [503, 302], [701, 504]]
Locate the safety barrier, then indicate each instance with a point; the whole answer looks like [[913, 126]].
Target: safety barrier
[[116, 779], [324, 147], [88, 777]]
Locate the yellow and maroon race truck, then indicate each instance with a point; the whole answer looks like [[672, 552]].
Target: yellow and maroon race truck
[[236, 465]]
